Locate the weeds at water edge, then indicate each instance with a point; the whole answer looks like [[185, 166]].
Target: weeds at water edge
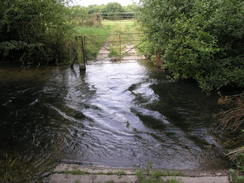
[[153, 177]]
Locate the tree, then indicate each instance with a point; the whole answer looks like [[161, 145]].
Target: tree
[[95, 8], [113, 8], [78, 14], [131, 8]]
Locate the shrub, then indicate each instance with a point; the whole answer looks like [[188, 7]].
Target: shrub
[[33, 31], [201, 40]]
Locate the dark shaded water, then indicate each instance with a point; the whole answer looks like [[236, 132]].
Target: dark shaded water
[[120, 115]]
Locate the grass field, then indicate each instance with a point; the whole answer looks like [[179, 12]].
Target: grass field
[[96, 36], [108, 27], [121, 26], [122, 33]]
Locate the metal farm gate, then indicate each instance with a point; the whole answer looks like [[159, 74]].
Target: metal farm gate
[[115, 47], [120, 46]]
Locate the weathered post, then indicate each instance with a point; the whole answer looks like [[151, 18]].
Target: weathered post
[[83, 52], [72, 47], [120, 48]]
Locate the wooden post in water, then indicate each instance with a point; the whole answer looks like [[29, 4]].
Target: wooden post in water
[[120, 47], [83, 52], [73, 47], [85, 56]]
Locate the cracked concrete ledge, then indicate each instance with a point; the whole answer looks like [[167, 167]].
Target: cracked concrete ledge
[[72, 173], [129, 179]]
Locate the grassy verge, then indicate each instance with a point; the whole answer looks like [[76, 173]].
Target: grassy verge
[[154, 177]]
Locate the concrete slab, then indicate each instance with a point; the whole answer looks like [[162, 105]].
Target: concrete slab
[[132, 171], [59, 178], [73, 173]]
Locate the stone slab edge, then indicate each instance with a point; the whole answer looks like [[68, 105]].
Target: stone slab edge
[[132, 171]]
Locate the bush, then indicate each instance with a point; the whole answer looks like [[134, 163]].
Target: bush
[[201, 40], [33, 31]]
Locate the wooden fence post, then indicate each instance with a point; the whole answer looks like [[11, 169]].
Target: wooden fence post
[[120, 47], [83, 51]]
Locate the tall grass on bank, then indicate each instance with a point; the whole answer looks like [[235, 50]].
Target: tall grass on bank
[[155, 177], [231, 121], [19, 169]]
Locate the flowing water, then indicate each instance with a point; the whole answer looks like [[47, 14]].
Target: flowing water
[[114, 114]]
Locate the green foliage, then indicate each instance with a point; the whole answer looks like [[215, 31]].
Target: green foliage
[[78, 15], [113, 8], [114, 51], [120, 173], [131, 8], [202, 40], [240, 161], [235, 177], [33, 31], [95, 9], [97, 36], [73, 172], [14, 168], [119, 39], [95, 39]]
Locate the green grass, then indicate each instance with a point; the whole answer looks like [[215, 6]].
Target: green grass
[[15, 168], [159, 173], [154, 177], [236, 178], [73, 172], [80, 172], [121, 26], [120, 173], [90, 31], [122, 33], [114, 51], [96, 36]]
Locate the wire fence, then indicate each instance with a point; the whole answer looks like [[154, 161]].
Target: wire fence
[[115, 15]]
